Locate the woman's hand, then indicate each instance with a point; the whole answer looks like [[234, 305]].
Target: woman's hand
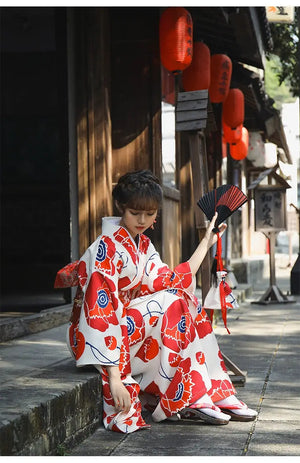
[[118, 391], [208, 240], [211, 236]]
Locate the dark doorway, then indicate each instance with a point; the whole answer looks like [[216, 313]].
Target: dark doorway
[[35, 204]]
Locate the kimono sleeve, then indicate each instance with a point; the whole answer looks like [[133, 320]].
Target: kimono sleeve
[[103, 319], [158, 276]]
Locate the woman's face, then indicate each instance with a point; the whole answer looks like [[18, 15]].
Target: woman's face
[[138, 221]]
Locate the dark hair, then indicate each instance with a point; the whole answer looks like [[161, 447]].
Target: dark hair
[[138, 190]]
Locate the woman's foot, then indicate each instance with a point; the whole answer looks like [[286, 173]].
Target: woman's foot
[[236, 409], [208, 413]]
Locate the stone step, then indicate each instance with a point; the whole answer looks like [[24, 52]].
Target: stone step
[[14, 325], [47, 404]]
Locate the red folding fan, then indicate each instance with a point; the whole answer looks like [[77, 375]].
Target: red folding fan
[[225, 200]]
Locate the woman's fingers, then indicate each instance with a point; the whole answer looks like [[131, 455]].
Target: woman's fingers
[[123, 403]]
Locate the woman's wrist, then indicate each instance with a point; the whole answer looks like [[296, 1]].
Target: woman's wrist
[[113, 372]]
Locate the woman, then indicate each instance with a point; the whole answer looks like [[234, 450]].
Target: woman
[[140, 324]]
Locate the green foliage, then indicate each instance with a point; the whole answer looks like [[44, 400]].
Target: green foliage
[[279, 92], [287, 48]]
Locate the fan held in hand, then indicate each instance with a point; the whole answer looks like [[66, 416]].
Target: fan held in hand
[[224, 200]]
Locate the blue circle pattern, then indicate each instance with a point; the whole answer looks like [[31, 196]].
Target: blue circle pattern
[[130, 326], [101, 252], [102, 299], [181, 325], [172, 291], [179, 392]]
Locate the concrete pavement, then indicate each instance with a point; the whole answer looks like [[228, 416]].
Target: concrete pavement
[[48, 407]]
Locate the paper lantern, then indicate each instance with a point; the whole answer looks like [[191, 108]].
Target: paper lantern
[[197, 75], [232, 135], [256, 150], [176, 39], [239, 150], [220, 77], [234, 108]]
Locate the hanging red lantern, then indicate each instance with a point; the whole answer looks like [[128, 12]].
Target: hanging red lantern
[[176, 39], [232, 135], [234, 108], [239, 150], [197, 75], [220, 76]]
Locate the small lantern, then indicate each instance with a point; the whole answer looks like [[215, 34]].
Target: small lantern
[[239, 150], [220, 76], [232, 135], [197, 75], [234, 108], [176, 39]]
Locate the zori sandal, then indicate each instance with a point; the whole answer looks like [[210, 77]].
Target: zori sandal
[[239, 412], [208, 413]]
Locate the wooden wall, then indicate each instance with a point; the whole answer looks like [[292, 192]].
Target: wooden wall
[[118, 106], [92, 64]]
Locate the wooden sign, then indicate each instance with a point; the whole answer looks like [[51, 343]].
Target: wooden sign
[[191, 110], [281, 14], [270, 209]]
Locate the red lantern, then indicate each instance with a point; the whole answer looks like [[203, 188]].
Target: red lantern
[[234, 108], [197, 75], [232, 135], [176, 39], [220, 76], [239, 150]]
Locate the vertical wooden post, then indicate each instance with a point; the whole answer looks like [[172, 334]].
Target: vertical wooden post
[[200, 187]]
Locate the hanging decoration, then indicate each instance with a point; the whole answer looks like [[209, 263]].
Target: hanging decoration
[[225, 200], [197, 75], [239, 150], [220, 77], [176, 39], [234, 108], [232, 135]]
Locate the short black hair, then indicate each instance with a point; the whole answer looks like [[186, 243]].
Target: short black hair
[[138, 190]]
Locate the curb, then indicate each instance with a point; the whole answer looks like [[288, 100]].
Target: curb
[[51, 425], [12, 328]]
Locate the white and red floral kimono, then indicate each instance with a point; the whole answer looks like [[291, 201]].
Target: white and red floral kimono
[[140, 315]]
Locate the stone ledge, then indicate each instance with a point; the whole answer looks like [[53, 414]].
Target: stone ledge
[[60, 414], [11, 328]]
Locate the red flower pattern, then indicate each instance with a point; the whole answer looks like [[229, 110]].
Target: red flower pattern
[[149, 350], [177, 326], [100, 303], [105, 255]]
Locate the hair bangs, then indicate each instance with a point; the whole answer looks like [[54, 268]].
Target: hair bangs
[[143, 203]]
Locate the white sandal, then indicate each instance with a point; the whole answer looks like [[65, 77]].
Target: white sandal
[[239, 411], [208, 413]]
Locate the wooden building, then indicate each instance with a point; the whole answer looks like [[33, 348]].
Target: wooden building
[[81, 103]]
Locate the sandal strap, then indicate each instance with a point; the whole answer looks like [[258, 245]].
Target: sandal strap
[[205, 405], [240, 406]]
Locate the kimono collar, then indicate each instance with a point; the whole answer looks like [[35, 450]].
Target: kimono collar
[[112, 224]]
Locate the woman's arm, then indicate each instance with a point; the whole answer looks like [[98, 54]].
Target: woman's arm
[[209, 239], [118, 391]]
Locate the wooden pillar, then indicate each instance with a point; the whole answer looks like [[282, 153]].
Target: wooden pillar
[[200, 187]]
